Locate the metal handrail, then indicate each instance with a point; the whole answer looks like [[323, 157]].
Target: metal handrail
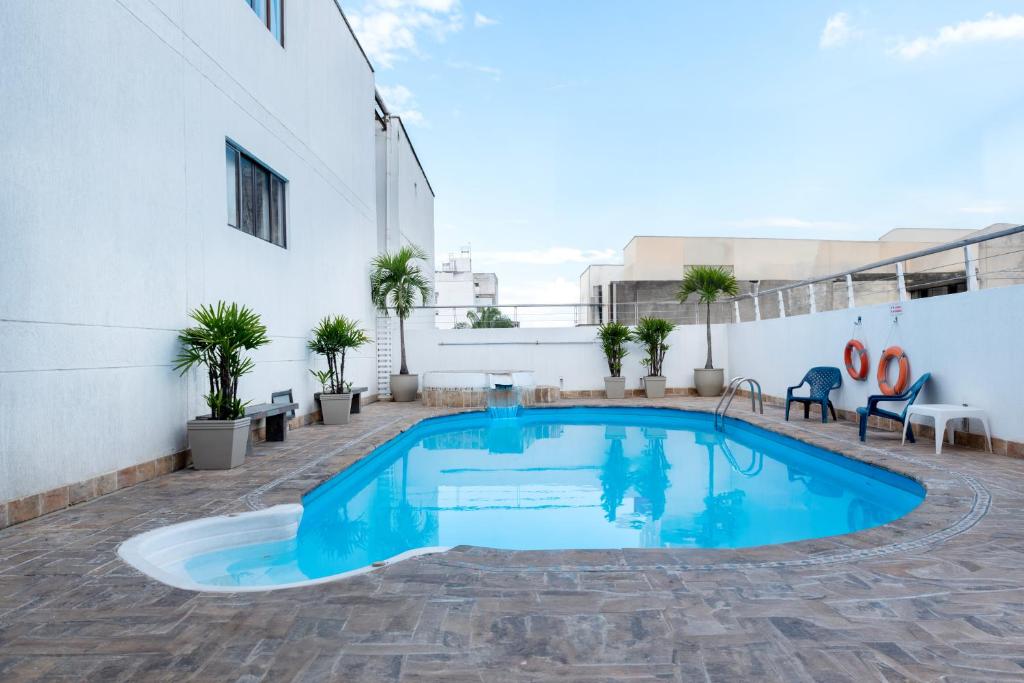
[[730, 394], [947, 246]]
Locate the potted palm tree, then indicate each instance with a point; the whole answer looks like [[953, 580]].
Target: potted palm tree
[[395, 284], [652, 333], [217, 342], [332, 338], [708, 283], [614, 336]]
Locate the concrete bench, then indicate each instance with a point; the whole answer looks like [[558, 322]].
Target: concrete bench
[[355, 398], [276, 415]]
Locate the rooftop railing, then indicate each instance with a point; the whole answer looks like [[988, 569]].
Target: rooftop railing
[[982, 261]]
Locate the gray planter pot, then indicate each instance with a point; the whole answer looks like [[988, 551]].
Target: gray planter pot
[[218, 444], [404, 387], [654, 387], [615, 387], [335, 409], [709, 382]]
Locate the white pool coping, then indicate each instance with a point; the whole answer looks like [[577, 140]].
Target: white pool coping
[[162, 553]]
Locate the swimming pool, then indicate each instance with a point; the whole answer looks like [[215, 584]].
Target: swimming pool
[[560, 478]]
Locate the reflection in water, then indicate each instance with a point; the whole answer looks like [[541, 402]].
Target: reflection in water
[[614, 478], [651, 477]]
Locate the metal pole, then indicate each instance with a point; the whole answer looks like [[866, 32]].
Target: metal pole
[[782, 305], [736, 310], [971, 268], [810, 294], [901, 281], [849, 292]]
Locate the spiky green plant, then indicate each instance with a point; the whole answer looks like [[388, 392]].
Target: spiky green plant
[[395, 284], [614, 336], [652, 333], [216, 342], [489, 316], [708, 283], [332, 338]]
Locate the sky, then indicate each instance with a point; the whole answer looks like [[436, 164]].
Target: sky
[[552, 131]]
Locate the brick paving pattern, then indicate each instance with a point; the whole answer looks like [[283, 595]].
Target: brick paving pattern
[[936, 595]]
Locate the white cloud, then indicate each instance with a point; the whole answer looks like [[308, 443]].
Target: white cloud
[[838, 31], [992, 27], [984, 208], [402, 103], [479, 20], [491, 71], [789, 223], [389, 30], [546, 257]]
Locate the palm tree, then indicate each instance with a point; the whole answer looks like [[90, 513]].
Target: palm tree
[[708, 282], [332, 338], [395, 283], [489, 317]]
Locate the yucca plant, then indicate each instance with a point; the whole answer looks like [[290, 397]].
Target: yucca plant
[[217, 342], [396, 283], [652, 333], [708, 283], [332, 339], [614, 336]]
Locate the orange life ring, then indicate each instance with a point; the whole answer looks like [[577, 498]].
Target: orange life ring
[[859, 374], [890, 354]]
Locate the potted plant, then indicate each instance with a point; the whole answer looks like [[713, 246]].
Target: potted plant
[[332, 338], [708, 283], [614, 336], [395, 284], [652, 333], [221, 334]]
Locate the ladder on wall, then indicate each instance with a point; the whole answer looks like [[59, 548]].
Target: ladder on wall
[[385, 359]]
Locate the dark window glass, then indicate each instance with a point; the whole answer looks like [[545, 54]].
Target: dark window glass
[[256, 198], [277, 218], [232, 177], [248, 198]]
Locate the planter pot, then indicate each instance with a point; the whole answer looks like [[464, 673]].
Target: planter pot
[[335, 408], [654, 387], [615, 387], [403, 387], [709, 382], [218, 444]]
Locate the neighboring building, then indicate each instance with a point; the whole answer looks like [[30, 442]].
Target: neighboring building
[[160, 158], [647, 280], [456, 285]]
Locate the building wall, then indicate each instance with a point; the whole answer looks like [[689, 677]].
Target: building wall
[[113, 216], [967, 341]]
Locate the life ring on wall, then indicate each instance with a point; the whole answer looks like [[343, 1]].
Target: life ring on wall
[[860, 374], [890, 354]]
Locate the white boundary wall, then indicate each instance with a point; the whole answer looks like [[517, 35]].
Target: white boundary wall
[[970, 342], [569, 357]]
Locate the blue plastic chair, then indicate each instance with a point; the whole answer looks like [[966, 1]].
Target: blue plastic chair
[[910, 395], [821, 380]]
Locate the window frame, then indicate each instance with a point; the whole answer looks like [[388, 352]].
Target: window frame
[[276, 207], [267, 16]]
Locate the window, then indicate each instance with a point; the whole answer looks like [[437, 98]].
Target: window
[[271, 13], [256, 198]]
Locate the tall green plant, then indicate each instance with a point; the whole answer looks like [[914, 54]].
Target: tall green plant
[[614, 336], [332, 338], [652, 333], [708, 283], [216, 342], [395, 284]]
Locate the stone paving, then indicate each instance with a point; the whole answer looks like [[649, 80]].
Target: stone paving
[[936, 595]]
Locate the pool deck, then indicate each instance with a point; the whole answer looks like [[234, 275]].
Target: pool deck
[[936, 595]]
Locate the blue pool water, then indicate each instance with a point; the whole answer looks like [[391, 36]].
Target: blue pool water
[[571, 478]]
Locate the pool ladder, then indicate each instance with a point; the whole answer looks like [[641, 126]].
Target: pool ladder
[[756, 402]]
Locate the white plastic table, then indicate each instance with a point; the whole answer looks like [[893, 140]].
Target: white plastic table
[[942, 413]]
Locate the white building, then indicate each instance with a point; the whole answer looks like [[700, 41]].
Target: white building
[[162, 155], [456, 285]]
